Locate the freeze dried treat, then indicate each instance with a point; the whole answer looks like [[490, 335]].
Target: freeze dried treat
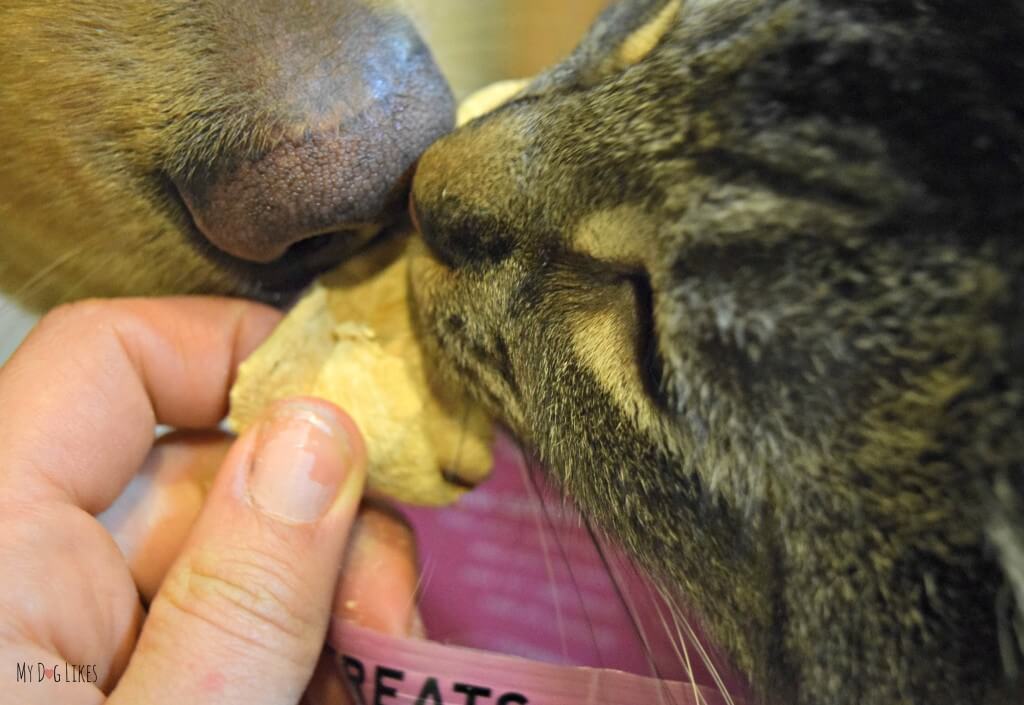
[[488, 98], [350, 341]]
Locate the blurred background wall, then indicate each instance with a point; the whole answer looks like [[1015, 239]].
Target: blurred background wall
[[479, 41], [475, 42]]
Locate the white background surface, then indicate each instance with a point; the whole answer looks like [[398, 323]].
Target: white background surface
[[14, 324]]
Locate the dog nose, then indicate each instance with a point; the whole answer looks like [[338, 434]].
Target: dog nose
[[353, 125]]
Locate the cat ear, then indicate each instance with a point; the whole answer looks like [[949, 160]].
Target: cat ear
[[1006, 532], [639, 43]]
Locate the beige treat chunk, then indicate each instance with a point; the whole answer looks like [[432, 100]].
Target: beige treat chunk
[[488, 98], [350, 341]]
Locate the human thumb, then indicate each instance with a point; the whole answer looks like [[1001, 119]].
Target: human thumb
[[242, 614]]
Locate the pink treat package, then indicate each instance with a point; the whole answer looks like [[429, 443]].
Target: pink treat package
[[523, 607]]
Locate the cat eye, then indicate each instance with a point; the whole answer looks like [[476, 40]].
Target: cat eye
[[649, 360], [615, 303]]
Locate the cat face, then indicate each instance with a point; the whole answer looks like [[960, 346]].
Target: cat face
[[151, 147], [744, 274]]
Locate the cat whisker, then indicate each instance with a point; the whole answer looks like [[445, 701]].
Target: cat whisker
[[426, 574], [681, 620], [1008, 623], [548, 565], [682, 652], [664, 694]]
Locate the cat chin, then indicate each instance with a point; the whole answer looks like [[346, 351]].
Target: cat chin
[[531, 578]]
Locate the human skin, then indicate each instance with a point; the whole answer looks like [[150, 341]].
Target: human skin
[[216, 581]]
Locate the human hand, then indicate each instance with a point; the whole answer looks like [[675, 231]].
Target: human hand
[[241, 587]]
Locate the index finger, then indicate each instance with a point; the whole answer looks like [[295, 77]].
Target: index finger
[[82, 395]]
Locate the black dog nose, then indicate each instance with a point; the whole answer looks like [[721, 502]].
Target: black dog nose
[[353, 121]]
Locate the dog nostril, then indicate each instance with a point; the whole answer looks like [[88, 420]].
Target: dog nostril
[[329, 183], [341, 176], [312, 245]]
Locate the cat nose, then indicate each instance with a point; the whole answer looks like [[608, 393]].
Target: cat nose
[[355, 123], [467, 193]]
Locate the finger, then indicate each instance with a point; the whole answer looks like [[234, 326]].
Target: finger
[[242, 614], [50, 547], [378, 590], [40, 677], [66, 597], [151, 519], [380, 575], [379, 579], [92, 380]]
